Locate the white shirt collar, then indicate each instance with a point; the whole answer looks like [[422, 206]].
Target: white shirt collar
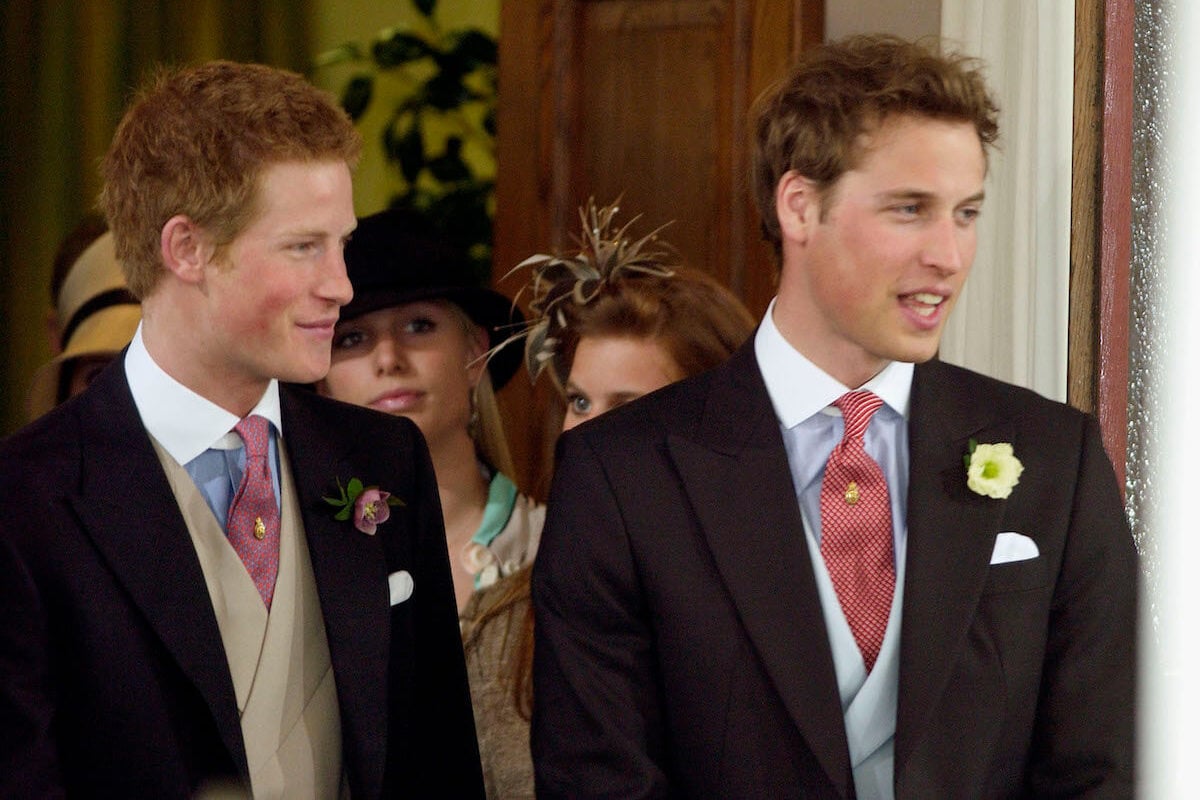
[[799, 388], [185, 423]]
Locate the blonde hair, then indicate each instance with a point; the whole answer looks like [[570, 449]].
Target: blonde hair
[[491, 444], [490, 441]]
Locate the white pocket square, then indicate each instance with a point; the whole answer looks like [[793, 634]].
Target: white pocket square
[[400, 586], [1012, 546]]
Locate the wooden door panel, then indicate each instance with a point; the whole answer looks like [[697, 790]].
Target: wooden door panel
[[656, 135], [643, 99]]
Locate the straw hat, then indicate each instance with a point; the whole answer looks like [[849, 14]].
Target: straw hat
[[99, 318]]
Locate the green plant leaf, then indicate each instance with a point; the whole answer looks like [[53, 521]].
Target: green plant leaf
[[399, 48], [357, 95], [448, 78], [353, 489], [461, 214], [404, 145], [342, 515], [445, 91], [474, 48], [450, 167], [350, 51]]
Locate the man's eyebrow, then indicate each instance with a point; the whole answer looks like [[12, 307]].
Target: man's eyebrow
[[310, 233], [299, 233], [903, 194], [921, 194]]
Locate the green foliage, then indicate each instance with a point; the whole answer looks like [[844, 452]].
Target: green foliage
[[441, 131]]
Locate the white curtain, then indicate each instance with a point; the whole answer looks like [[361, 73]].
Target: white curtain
[[1011, 321]]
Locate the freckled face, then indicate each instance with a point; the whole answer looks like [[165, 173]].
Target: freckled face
[[610, 371], [274, 294]]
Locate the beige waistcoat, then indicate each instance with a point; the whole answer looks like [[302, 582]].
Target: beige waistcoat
[[279, 662]]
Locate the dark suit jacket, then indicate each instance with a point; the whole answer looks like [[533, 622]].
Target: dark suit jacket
[[113, 678], [681, 649]]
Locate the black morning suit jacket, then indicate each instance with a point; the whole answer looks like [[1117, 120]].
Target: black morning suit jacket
[[113, 678], [681, 649]]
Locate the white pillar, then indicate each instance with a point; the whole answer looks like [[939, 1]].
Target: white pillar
[[1169, 734]]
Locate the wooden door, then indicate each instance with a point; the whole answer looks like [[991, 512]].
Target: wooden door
[[1101, 220], [647, 100]]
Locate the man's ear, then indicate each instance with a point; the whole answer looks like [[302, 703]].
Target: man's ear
[[185, 248], [797, 205]]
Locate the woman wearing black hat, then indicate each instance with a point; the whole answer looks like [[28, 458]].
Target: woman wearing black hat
[[412, 343]]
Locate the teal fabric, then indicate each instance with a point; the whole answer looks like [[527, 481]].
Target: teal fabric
[[502, 496]]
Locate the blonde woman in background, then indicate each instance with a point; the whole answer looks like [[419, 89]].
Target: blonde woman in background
[[411, 343]]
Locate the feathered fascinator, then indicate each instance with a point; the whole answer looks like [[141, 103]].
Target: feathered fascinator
[[605, 255]]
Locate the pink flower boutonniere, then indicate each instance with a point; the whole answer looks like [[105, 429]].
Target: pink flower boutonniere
[[369, 505]]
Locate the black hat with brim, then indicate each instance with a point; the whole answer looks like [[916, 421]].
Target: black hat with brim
[[394, 258]]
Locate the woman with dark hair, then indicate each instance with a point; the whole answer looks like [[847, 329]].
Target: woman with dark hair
[[613, 322]]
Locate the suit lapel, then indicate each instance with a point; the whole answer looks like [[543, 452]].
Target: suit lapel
[[127, 508], [951, 532], [736, 472], [350, 570]]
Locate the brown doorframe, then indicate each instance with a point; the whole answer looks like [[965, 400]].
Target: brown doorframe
[[1101, 219]]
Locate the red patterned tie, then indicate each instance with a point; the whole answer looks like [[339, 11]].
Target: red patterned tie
[[253, 525], [856, 528]]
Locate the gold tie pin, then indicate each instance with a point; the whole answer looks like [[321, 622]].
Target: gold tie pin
[[260, 530], [851, 493]]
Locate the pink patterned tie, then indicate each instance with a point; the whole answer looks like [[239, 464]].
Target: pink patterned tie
[[253, 525], [856, 528]]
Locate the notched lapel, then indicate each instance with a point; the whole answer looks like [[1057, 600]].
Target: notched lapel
[[735, 471], [951, 533], [128, 510], [350, 570]]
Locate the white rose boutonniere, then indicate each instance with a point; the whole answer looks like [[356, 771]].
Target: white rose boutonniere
[[992, 469]]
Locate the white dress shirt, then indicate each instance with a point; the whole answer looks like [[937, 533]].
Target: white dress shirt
[[196, 432], [802, 395]]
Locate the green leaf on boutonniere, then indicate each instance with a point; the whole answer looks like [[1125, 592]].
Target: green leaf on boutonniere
[[367, 504]]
